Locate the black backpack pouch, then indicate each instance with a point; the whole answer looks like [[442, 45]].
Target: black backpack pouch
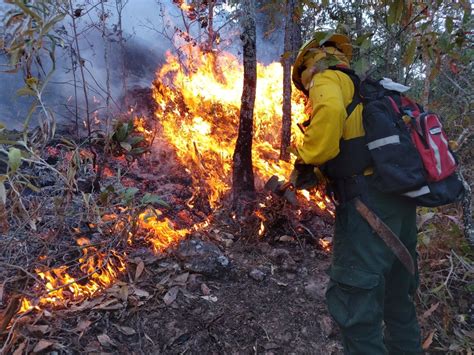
[[442, 192], [398, 166]]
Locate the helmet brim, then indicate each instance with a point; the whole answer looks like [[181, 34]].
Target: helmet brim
[[340, 42]]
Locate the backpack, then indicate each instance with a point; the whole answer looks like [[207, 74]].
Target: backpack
[[408, 147]]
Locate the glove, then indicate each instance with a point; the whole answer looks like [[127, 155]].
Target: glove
[[304, 177]]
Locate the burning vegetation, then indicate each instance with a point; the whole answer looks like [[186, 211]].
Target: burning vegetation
[[197, 111]]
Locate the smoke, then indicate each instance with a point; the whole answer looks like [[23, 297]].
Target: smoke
[[149, 28]]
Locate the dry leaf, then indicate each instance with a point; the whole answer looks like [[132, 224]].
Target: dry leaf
[[83, 325], [430, 311], [141, 293], [206, 291], [42, 329], [125, 330], [19, 350], [123, 293], [428, 340], [165, 279], [105, 340], [181, 279], [171, 295], [139, 270], [209, 298], [109, 305], [42, 345], [1, 293], [286, 238]]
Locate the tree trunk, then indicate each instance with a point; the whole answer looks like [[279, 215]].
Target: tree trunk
[[243, 187], [210, 26], [106, 61], [120, 5], [81, 64], [288, 58]]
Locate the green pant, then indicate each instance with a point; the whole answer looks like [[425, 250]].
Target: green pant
[[370, 294]]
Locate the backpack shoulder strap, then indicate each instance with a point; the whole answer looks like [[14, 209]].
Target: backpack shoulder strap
[[356, 99]]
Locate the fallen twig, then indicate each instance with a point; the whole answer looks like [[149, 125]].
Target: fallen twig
[[11, 310]]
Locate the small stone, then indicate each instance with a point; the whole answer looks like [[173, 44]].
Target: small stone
[[203, 258], [257, 275], [303, 271], [314, 291], [327, 326]]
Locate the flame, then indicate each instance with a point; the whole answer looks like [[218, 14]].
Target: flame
[[325, 244], [99, 271], [140, 126], [198, 101], [198, 106], [161, 233]]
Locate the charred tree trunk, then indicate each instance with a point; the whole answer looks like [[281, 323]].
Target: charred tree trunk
[[210, 26], [290, 47], [243, 186]]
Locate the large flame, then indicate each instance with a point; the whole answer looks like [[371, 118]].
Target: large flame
[[198, 106]]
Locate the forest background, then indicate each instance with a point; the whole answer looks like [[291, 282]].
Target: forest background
[[72, 72]]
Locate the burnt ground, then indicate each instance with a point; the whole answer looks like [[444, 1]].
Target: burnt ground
[[269, 301], [242, 293]]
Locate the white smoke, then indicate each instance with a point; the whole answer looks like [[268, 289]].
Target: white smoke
[[149, 27]]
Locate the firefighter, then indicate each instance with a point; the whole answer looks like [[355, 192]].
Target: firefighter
[[370, 293]]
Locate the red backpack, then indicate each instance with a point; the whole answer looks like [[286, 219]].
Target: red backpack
[[432, 144]]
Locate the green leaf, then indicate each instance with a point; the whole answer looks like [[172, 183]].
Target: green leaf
[[28, 10], [126, 146], [410, 53], [135, 140], [449, 24], [3, 193], [361, 66], [47, 27], [121, 133], [25, 91], [14, 159], [129, 194], [323, 37], [154, 199], [395, 12], [33, 187], [138, 151]]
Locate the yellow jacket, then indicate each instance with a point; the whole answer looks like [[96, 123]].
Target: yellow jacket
[[330, 92]]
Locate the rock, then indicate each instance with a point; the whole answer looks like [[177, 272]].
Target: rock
[[315, 288], [257, 275], [279, 256], [327, 326], [203, 258]]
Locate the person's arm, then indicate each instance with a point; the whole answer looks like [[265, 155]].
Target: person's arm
[[322, 136]]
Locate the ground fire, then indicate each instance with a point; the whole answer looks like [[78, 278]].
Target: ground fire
[[198, 103]]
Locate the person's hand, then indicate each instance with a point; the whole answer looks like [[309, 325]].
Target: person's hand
[[304, 177]]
